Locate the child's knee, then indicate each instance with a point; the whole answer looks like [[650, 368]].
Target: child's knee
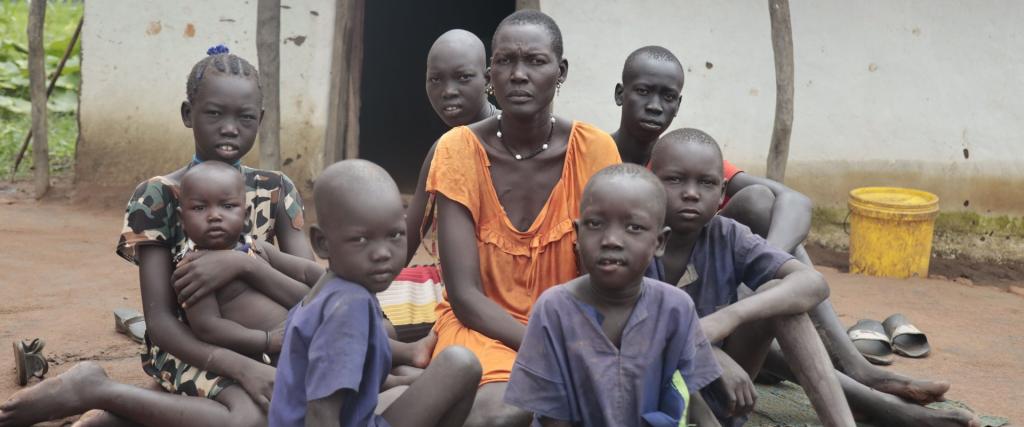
[[460, 359], [752, 206], [244, 411]]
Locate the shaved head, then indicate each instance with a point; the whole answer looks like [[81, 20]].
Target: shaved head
[[465, 46], [655, 53], [641, 181], [688, 136], [360, 226], [220, 172], [456, 78], [352, 183]]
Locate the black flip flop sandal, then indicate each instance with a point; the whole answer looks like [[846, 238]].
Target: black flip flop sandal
[[871, 341], [906, 339], [29, 360]]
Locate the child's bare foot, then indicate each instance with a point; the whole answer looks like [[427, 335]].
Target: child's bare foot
[[920, 416], [423, 349], [921, 392], [58, 397], [101, 418]]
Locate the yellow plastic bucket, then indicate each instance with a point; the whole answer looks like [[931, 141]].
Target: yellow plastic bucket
[[891, 231]]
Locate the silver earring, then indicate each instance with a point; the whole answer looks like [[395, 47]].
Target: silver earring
[[558, 88]]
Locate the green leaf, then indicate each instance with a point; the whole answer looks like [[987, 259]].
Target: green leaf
[[15, 105], [63, 101]]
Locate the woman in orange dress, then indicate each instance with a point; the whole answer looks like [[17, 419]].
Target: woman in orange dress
[[507, 190]]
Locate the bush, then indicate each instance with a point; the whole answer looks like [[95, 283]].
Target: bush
[[15, 108]]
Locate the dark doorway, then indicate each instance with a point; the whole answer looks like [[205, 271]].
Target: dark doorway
[[396, 124]]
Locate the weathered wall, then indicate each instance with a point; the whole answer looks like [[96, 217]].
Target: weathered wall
[[136, 55], [926, 94]]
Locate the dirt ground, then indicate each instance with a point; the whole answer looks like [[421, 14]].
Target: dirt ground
[[60, 279]]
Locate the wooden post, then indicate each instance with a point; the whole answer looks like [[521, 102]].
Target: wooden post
[[37, 90], [268, 50], [341, 139], [527, 4], [355, 79], [782, 45]]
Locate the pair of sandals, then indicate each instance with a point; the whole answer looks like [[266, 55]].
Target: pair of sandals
[[29, 360], [28, 354], [878, 341]]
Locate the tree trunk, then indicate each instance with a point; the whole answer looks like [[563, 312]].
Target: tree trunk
[[268, 50], [782, 45], [37, 90]]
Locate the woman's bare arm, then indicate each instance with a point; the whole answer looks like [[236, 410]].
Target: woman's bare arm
[[416, 211], [460, 265]]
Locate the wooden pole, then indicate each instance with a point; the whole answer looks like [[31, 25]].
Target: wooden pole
[[268, 51], [37, 90], [527, 4], [355, 79], [782, 45], [49, 90], [341, 139]]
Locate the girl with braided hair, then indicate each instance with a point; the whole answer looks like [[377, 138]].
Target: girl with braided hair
[[210, 385]]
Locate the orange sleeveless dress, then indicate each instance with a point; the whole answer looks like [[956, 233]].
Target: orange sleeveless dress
[[515, 266]]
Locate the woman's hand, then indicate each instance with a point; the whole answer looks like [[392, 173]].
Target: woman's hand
[[258, 381], [201, 273]]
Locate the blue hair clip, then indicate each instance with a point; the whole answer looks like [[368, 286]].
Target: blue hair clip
[[217, 50]]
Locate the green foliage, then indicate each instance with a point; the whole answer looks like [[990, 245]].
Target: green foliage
[[15, 107]]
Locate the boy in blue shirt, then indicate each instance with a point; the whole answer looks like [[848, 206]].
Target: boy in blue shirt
[[709, 256], [613, 348], [336, 356]]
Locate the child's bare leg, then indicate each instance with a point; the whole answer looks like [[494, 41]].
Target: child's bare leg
[[885, 409], [86, 387], [749, 346], [416, 354], [809, 362], [882, 408], [700, 413], [848, 360], [752, 206], [387, 397], [490, 410], [443, 394]]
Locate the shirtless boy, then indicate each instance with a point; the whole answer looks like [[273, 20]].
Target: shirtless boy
[[237, 316]]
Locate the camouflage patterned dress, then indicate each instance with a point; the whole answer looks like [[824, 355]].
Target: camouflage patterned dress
[[151, 218]]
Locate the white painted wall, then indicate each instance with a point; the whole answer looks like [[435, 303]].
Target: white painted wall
[[136, 56], [888, 93]]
